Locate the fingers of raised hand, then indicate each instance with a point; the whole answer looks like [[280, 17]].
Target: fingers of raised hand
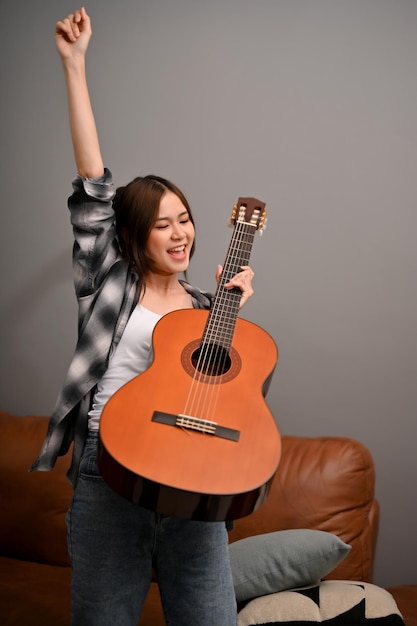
[[70, 27]]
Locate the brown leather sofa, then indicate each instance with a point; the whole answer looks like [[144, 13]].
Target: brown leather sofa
[[322, 483]]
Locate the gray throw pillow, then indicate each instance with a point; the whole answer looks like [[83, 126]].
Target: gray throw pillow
[[285, 559]]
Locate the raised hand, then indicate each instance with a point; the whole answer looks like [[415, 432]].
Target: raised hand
[[72, 34]]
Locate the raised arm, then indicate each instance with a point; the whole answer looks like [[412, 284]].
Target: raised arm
[[72, 36]]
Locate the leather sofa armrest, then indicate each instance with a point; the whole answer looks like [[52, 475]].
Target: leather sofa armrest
[[323, 483]]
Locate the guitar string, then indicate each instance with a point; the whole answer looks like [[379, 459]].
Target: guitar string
[[195, 401], [214, 355], [236, 262], [217, 354], [233, 300], [220, 353], [203, 401]]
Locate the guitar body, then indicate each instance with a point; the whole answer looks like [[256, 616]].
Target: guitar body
[[220, 474]]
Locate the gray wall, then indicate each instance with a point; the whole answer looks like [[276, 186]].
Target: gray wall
[[309, 105]]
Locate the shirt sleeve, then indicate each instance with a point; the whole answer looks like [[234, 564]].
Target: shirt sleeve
[[95, 243]]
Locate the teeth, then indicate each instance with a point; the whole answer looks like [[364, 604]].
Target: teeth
[[178, 249]]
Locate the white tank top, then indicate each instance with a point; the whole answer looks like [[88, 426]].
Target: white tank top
[[131, 357]]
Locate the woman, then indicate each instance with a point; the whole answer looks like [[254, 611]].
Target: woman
[[129, 248]]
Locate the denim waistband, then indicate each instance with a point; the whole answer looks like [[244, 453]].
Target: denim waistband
[[92, 437]]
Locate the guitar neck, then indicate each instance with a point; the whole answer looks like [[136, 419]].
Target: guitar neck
[[225, 308]]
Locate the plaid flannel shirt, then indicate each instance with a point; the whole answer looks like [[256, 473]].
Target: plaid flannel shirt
[[106, 287]]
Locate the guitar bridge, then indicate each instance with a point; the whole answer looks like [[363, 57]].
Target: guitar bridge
[[195, 423]]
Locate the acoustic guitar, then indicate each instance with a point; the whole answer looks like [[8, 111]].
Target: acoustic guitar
[[192, 436]]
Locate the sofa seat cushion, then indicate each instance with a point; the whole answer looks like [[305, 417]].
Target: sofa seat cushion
[[330, 602], [34, 504], [34, 593], [406, 598]]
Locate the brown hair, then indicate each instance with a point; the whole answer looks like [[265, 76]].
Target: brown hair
[[136, 207]]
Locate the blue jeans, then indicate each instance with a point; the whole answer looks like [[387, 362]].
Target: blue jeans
[[114, 544]]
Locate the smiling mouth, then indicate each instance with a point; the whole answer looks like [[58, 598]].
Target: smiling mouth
[[177, 250]]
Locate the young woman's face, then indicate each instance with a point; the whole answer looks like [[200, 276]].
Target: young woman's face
[[171, 238]]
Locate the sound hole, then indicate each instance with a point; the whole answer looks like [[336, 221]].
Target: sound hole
[[190, 360], [211, 359]]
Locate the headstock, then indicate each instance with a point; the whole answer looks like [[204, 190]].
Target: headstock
[[250, 211]]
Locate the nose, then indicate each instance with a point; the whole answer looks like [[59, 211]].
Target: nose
[[178, 231]]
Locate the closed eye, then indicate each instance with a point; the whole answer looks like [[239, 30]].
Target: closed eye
[[183, 218]]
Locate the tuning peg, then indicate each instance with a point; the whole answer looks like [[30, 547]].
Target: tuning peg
[[261, 230]]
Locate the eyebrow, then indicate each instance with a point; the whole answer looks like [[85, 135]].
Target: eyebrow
[[160, 219]]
